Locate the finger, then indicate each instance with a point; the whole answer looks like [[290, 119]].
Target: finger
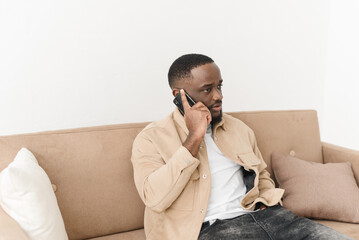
[[185, 103], [200, 105], [209, 119]]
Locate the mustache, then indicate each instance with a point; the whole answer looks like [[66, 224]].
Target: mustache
[[216, 103]]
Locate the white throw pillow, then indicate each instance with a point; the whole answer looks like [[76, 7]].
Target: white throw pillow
[[27, 196]]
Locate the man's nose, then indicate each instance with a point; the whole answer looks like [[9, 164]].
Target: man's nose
[[217, 95]]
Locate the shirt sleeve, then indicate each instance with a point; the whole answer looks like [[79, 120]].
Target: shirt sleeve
[[159, 183]]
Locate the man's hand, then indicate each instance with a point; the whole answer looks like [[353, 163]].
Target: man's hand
[[261, 206], [197, 118]]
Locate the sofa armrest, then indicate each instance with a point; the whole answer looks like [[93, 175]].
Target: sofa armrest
[[9, 229], [336, 154]]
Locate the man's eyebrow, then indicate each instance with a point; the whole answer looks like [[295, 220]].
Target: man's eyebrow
[[207, 85], [211, 84]]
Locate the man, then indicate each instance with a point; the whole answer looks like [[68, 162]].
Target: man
[[201, 174]]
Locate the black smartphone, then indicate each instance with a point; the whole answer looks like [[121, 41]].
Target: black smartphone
[[178, 101]]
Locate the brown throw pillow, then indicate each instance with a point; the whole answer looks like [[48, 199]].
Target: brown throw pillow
[[316, 190]]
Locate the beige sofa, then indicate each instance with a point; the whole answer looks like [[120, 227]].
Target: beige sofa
[[92, 172]]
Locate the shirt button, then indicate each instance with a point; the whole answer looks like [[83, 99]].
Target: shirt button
[[188, 161], [202, 211], [201, 146], [204, 176]]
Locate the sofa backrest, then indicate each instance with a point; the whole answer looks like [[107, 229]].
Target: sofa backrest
[[293, 133], [92, 171]]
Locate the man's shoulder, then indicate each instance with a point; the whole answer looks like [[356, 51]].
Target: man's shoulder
[[157, 126], [232, 122]]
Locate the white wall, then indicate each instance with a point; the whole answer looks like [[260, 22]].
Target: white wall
[[67, 64], [341, 112]]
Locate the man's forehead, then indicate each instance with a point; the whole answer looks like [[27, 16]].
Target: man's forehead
[[206, 74]]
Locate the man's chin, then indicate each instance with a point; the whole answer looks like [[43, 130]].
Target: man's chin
[[217, 118]]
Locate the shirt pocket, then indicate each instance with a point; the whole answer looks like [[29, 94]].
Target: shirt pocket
[[248, 160], [185, 200]]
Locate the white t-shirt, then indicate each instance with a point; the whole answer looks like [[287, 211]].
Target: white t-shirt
[[227, 185]]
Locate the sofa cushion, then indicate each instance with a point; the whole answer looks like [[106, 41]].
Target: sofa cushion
[[92, 171], [130, 235], [27, 196], [316, 190]]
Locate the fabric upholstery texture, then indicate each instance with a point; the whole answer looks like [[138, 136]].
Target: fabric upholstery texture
[[316, 190], [333, 154], [92, 172], [288, 132], [27, 196], [132, 235], [10, 229]]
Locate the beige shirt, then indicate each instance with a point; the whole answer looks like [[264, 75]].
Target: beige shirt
[[175, 186]]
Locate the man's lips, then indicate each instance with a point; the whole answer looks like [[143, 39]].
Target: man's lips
[[216, 107]]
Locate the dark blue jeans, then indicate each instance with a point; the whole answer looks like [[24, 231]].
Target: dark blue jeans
[[272, 223]]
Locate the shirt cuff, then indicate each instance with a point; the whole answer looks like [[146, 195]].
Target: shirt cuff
[[184, 159]]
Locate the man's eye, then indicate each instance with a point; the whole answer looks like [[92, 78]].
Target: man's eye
[[207, 90], [220, 86]]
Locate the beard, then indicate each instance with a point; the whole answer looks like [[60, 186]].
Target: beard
[[217, 119]]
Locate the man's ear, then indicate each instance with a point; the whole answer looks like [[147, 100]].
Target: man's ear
[[175, 91]]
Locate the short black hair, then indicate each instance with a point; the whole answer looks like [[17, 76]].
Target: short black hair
[[182, 66]]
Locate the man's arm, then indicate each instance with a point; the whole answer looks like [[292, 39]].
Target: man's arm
[[159, 183]]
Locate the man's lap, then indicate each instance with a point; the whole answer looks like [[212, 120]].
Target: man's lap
[[273, 223]]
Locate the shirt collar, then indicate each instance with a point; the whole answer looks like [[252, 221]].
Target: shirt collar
[[178, 117], [221, 124]]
